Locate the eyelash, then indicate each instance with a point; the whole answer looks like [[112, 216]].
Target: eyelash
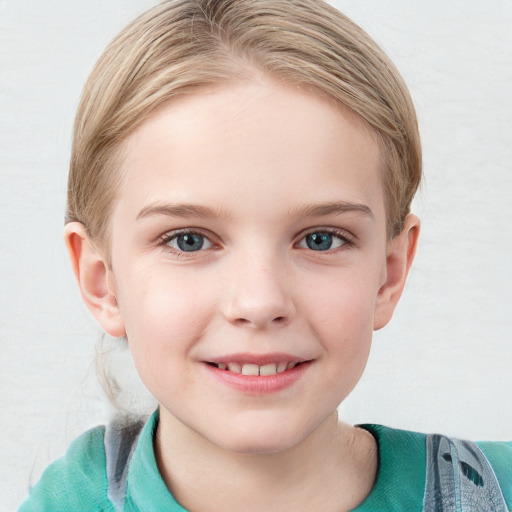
[[167, 238], [164, 241], [347, 240]]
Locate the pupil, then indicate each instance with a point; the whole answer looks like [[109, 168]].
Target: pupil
[[319, 241], [190, 242]]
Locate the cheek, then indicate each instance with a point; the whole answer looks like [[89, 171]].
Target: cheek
[[345, 302], [165, 314], [346, 335], [342, 319]]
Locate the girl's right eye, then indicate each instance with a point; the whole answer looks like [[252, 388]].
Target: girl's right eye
[[187, 241]]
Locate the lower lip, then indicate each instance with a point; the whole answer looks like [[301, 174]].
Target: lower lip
[[258, 385]]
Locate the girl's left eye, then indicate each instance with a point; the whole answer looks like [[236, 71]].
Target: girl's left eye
[[188, 242], [323, 241]]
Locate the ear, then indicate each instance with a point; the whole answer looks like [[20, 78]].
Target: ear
[[400, 254], [95, 279]]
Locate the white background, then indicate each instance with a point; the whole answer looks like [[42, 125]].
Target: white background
[[444, 362]]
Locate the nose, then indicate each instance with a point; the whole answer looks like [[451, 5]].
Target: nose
[[258, 295]]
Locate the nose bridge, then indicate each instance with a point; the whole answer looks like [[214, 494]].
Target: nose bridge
[[259, 291]]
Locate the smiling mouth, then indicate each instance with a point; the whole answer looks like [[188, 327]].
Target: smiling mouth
[[258, 375], [255, 370]]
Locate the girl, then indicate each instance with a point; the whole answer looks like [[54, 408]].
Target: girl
[[239, 209]]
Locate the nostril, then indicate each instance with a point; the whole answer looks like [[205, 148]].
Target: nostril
[[244, 321]]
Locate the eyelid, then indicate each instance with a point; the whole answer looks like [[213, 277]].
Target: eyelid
[[162, 241], [165, 238], [348, 238]]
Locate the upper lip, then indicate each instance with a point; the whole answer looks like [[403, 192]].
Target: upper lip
[[259, 359]]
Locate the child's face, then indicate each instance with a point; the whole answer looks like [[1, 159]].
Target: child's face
[[250, 230]]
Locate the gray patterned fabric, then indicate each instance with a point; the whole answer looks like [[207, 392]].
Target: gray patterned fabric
[[459, 478], [120, 440]]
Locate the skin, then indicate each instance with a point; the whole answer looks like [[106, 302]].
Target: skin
[[258, 162]]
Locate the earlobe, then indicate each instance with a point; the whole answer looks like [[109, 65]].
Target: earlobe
[[400, 255], [94, 278]]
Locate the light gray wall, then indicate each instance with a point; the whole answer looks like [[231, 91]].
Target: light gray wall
[[443, 364]]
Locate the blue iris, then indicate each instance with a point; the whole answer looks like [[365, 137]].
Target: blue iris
[[190, 242], [319, 241]]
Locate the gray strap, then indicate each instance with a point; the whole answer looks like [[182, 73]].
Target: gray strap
[[459, 478], [120, 440]]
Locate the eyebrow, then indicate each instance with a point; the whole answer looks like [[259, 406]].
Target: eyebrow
[[179, 210], [192, 210], [332, 208]]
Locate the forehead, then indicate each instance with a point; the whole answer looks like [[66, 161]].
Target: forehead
[[258, 147]]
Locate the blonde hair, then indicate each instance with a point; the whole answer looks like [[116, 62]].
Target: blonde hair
[[182, 45]]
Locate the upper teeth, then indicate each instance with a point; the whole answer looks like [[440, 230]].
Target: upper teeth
[[254, 369]]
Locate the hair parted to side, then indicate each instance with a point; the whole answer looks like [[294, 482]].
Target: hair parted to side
[[182, 45]]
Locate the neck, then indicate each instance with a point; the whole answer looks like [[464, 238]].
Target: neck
[[333, 468]]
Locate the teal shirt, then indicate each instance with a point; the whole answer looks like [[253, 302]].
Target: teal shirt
[[78, 481]]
